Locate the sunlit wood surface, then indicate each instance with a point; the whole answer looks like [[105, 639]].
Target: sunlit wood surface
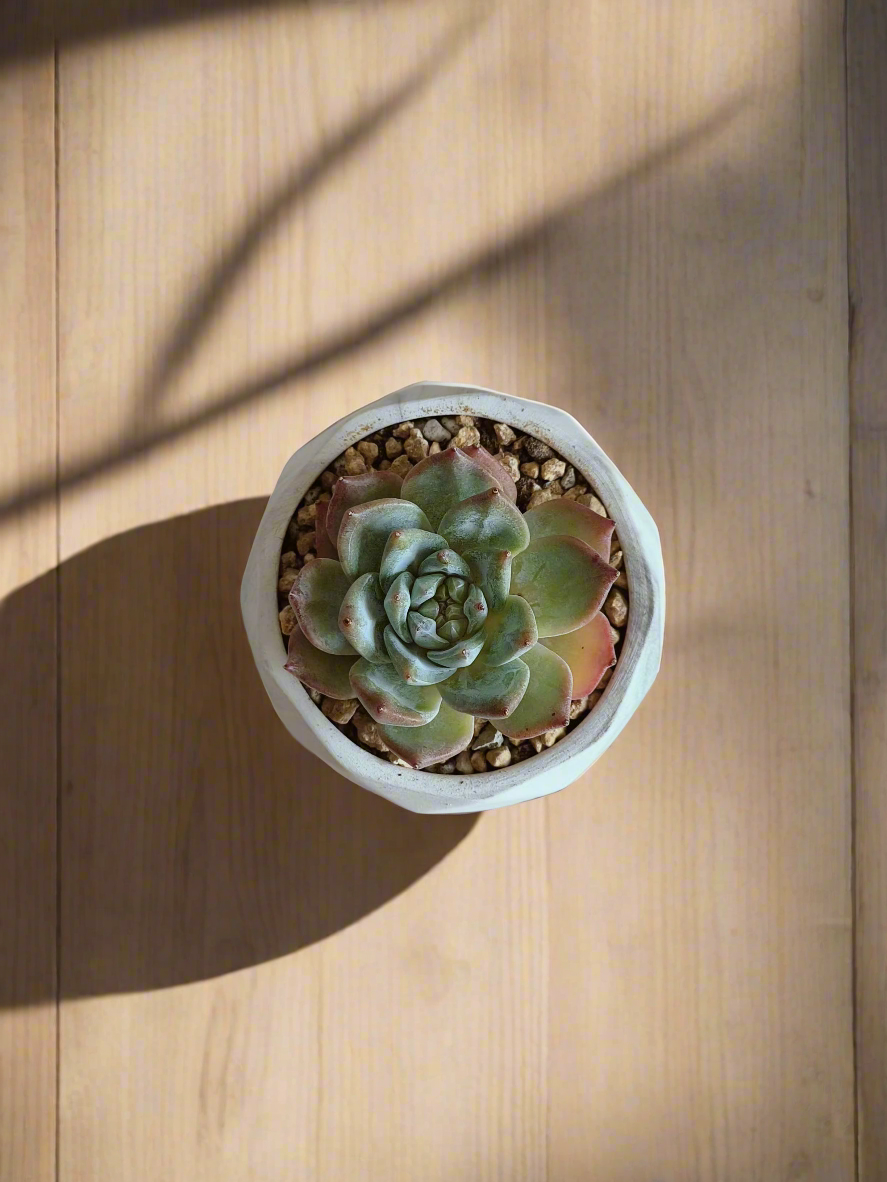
[[222, 226]]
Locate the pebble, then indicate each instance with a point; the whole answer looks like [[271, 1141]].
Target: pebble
[[402, 430], [479, 724], [531, 469], [307, 515], [287, 560], [504, 434], [416, 447], [536, 449], [488, 737], [577, 491], [450, 423], [499, 757], [315, 490], [435, 432], [591, 502], [306, 541], [578, 708], [327, 479], [540, 496], [568, 479], [435, 449], [316, 696], [309, 557], [287, 620], [605, 680], [401, 465], [467, 437], [594, 698], [339, 710], [286, 581], [464, 764], [552, 470], [393, 447], [621, 580], [383, 465], [396, 760], [369, 451], [551, 737], [355, 464], [525, 490], [509, 462], [616, 559], [447, 768], [368, 731], [479, 761], [616, 608]]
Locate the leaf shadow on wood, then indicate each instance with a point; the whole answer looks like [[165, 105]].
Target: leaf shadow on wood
[[197, 836]]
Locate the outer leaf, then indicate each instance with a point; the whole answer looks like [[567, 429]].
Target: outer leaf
[[492, 572], [511, 631], [475, 608], [403, 548], [460, 654], [322, 543], [562, 516], [362, 619], [316, 597], [358, 490], [588, 651], [446, 562], [485, 692], [487, 521], [546, 704], [388, 699], [397, 605], [447, 735], [495, 469], [365, 530], [438, 482], [563, 580], [318, 670], [425, 588], [411, 663], [424, 632]]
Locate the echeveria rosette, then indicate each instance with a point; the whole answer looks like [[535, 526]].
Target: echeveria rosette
[[434, 601]]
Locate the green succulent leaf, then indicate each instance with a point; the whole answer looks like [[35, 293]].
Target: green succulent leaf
[[546, 704], [365, 530], [322, 543], [319, 670], [447, 735], [588, 651], [403, 548], [397, 605], [425, 588], [491, 570], [443, 480], [388, 699], [441, 593], [445, 561], [485, 692], [454, 611], [494, 469], [349, 491], [412, 664], [563, 580], [452, 630], [424, 631], [431, 609], [562, 516], [316, 597], [487, 521], [362, 618], [457, 589], [475, 608], [460, 654], [511, 631]]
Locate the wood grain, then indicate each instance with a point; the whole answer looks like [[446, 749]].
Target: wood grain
[[867, 113], [28, 588]]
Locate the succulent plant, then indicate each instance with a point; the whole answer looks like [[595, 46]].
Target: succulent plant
[[434, 601]]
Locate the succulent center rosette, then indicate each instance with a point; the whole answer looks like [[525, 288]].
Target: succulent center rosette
[[434, 601]]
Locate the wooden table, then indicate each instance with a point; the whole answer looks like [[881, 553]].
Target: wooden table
[[223, 225]]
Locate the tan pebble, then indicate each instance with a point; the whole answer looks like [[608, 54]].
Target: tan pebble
[[287, 561], [368, 731], [616, 608], [499, 757], [396, 760], [434, 449], [621, 581], [616, 634], [552, 470], [466, 437], [540, 496], [463, 763], [369, 451], [339, 710], [328, 479], [531, 469], [551, 737], [488, 737], [594, 698], [383, 465], [315, 695], [309, 557], [401, 465], [465, 420], [286, 580], [402, 430], [393, 447], [616, 559], [447, 768], [591, 502], [339, 466], [416, 447], [287, 620], [306, 541], [316, 489], [509, 463], [307, 515], [555, 488], [578, 708], [355, 464], [574, 493], [504, 434], [324, 497], [568, 479], [479, 724], [537, 744], [605, 680], [479, 761]]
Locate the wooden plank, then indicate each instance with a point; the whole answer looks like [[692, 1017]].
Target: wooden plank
[[28, 634], [867, 122], [700, 902]]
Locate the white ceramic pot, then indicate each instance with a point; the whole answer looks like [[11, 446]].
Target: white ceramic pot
[[430, 792]]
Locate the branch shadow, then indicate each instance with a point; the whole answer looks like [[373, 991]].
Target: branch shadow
[[196, 836]]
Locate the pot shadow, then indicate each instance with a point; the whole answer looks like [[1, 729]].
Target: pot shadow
[[196, 837]]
